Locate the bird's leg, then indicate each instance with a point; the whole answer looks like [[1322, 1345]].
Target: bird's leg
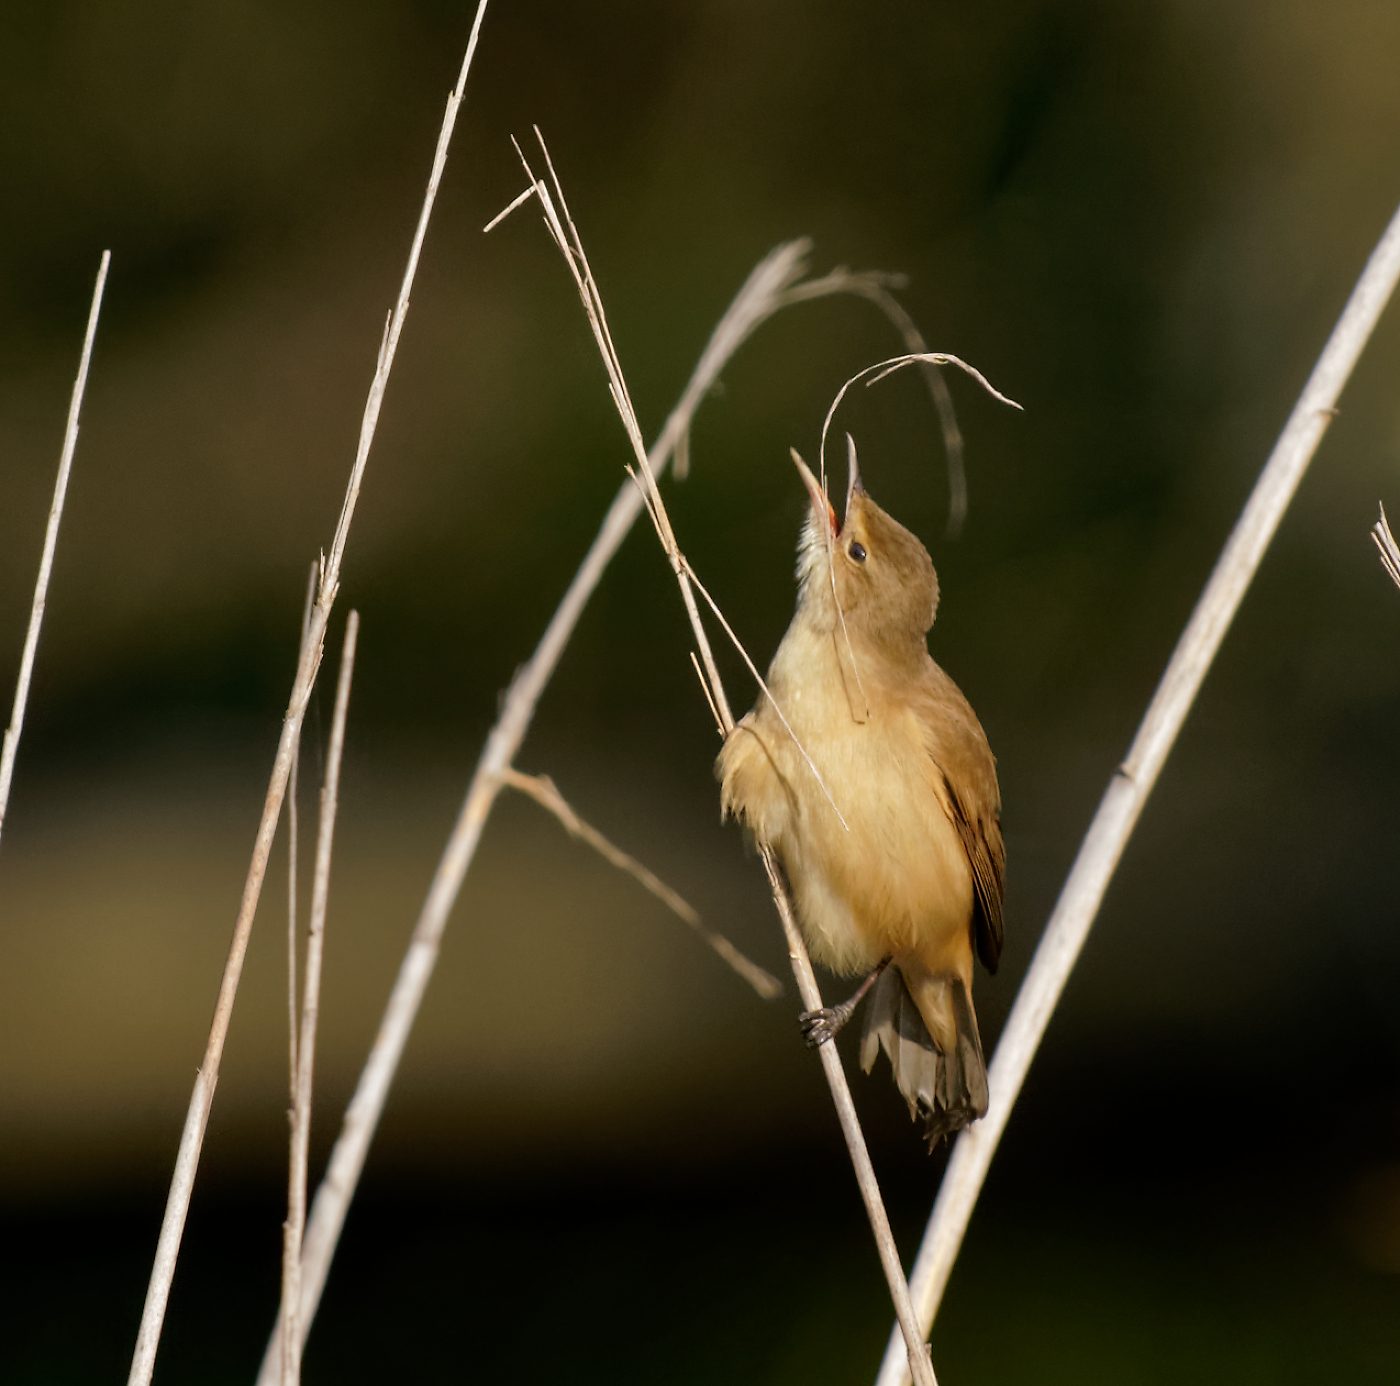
[[820, 1026]]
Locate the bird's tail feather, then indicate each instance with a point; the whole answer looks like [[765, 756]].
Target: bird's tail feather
[[944, 1084]]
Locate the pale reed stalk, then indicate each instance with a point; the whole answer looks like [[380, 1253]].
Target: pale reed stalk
[[1133, 781]]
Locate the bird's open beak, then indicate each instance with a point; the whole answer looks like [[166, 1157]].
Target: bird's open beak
[[854, 486], [822, 508]]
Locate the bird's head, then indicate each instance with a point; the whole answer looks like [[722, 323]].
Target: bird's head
[[868, 564]]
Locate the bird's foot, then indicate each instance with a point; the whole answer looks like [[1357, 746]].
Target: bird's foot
[[818, 1027]]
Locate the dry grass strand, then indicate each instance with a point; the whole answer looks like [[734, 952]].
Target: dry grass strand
[[546, 794], [9, 745]]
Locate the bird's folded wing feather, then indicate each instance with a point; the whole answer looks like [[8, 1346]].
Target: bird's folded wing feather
[[964, 762]]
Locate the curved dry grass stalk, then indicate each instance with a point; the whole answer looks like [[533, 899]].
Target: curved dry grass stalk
[[308, 662], [874, 374], [546, 794], [1127, 792], [566, 236], [878, 289], [9, 746]]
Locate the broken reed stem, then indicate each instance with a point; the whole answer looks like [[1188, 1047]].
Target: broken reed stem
[[546, 794], [9, 747], [565, 234], [759, 298], [308, 662], [310, 1011], [1127, 792]]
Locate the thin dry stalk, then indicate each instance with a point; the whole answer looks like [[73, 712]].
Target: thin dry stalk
[[546, 794], [566, 236], [290, 1258], [1386, 546], [759, 298], [292, 858], [9, 748], [308, 662], [758, 678], [709, 697], [310, 1013], [1127, 792]]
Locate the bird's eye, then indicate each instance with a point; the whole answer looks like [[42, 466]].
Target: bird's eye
[[857, 551]]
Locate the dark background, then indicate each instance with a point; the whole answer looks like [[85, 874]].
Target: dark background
[[604, 1159]]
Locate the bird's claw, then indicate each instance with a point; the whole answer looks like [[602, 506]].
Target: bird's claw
[[819, 1027]]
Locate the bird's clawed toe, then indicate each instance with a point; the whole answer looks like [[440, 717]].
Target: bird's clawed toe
[[820, 1026]]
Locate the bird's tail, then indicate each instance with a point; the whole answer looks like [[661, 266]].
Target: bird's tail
[[930, 1037]]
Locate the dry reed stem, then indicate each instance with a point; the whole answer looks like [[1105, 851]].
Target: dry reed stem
[[9, 747], [759, 298], [308, 662], [1122, 802], [1385, 545], [546, 794], [300, 1143], [566, 237]]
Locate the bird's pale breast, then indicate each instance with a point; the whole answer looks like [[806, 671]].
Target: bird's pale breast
[[895, 879]]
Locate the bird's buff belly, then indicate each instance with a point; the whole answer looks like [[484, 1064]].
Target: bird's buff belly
[[896, 881]]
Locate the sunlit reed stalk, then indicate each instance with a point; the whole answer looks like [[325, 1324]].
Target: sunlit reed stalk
[[1133, 781], [546, 794]]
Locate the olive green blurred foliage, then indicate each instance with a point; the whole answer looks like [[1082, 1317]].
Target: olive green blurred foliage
[[1140, 221]]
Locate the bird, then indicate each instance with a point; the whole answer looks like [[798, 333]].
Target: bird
[[866, 771]]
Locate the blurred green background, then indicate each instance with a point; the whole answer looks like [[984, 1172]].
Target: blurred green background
[[604, 1158]]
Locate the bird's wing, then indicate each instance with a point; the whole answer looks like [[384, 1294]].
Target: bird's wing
[[981, 838], [959, 749]]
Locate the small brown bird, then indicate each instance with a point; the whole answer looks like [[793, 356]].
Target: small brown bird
[[912, 882]]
